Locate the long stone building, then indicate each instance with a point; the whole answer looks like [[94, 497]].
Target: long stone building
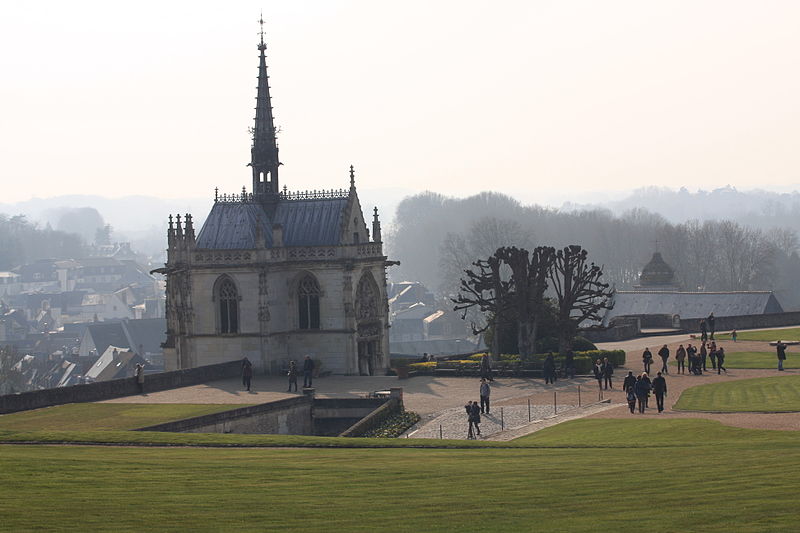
[[275, 275]]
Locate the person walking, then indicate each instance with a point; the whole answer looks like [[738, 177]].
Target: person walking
[[629, 381], [630, 395], [485, 391], [781, 349], [486, 367], [247, 373], [680, 357], [734, 335], [642, 391], [608, 371], [712, 354], [292, 374], [703, 356], [711, 328], [646, 379], [549, 369], [664, 354], [721, 360], [474, 412], [470, 427], [660, 390], [308, 371], [691, 355], [703, 330], [598, 373], [569, 364], [139, 373], [647, 359]]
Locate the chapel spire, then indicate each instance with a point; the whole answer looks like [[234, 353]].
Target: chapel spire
[[264, 151]]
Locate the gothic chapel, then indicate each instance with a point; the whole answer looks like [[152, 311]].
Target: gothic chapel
[[274, 275]]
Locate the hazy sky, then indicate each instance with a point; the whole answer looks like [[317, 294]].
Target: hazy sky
[[539, 99]]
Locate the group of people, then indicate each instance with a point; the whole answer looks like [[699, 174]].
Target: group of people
[[696, 359], [308, 373], [603, 370], [638, 389], [707, 328]]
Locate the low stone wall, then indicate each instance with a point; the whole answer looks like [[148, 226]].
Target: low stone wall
[[727, 323], [619, 332], [292, 416], [374, 419], [116, 388]]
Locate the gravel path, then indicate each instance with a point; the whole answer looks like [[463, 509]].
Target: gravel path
[[454, 424]]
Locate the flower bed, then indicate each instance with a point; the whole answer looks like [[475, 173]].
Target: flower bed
[[395, 425]]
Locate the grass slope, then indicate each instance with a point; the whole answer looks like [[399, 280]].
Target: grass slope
[[743, 480], [759, 360], [104, 416], [761, 394], [788, 334]]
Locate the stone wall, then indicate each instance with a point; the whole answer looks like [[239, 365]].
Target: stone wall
[[374, 419], [116, 388], [727, 323], [292, 416]]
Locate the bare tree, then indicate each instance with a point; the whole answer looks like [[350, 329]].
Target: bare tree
[[580, 295]]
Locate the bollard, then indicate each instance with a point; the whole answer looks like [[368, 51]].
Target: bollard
[[555, 403], [529, 409], [440, 432], [502, 420], [579, 395]]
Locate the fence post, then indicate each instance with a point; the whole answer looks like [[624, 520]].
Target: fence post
[[502, 420], [579, 395], [440, 432], [529, 409], [555, 403]]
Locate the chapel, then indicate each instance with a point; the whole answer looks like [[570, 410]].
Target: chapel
[[274, 275]]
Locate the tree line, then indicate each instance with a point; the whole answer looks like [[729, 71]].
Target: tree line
[[437, 237], [23, 242]]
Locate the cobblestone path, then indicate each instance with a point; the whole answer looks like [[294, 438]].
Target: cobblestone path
[[454, 424]]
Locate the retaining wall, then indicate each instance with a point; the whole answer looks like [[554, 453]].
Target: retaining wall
[[117, 388], [727, 323], [292, 416]]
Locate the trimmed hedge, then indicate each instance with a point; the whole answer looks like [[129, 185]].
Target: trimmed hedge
[[513, 362]]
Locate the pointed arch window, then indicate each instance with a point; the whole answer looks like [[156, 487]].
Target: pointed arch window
[[308, 303], [228, 306]]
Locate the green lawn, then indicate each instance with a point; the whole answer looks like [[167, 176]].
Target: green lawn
[[104, 416], [746, 478], [781, 393], [769, 335]]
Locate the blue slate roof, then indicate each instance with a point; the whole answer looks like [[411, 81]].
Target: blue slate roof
[[693, 304], [233, 225]]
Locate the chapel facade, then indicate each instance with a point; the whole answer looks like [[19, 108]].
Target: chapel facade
[[275, 275]]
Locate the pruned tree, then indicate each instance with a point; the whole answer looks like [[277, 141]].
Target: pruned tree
[[580, 293], [527, 289], [483, 288]]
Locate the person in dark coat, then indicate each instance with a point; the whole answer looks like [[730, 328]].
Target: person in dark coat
[[486, 367], [703, 330], [630, 395], [660, 390], [549, 369], [292, 374], [647, 359], [473, 418], [247, 373], [680, 357], [781, 349], [721, 359], [703, 356], [646, 379], [712, 354], [608, 371], [569, 364], [642, 390], [711, 326], [308, 371], [664, 354], [598, 373], [630, 381], [140, 377], [485, 391], [691, 356]]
